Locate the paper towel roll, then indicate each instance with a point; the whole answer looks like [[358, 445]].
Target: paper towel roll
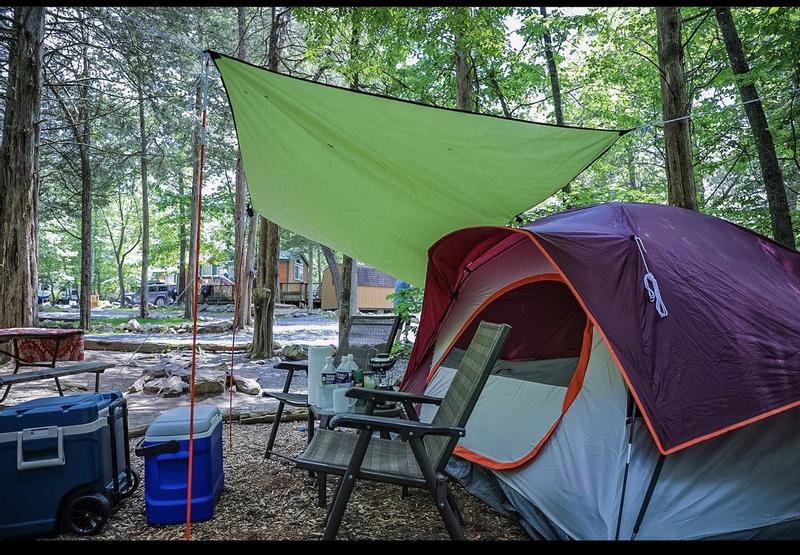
[[316, 360]]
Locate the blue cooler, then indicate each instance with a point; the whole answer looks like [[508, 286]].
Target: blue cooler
[[64, 461], [165, 448]]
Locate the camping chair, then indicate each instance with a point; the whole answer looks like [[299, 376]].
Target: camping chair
[[417, 459], [363, 336]]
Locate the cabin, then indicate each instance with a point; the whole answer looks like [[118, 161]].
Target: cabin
[[293, 277], [373, 286]]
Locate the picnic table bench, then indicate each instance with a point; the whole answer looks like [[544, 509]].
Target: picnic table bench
[[32, 346]]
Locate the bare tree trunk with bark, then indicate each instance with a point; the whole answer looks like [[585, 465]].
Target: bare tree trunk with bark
[[188, 307], [780, 215], [555, 85], [675, 102], [144, 297], [463, 69], [336, 276], [19, 165], [84, 126], [242, 276], [267, 279], [181, 239]]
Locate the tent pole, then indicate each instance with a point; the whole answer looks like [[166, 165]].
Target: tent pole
[[630, 418], [650, 488]]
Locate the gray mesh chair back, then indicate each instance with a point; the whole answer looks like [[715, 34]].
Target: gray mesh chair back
[[465, 389], [365, 336]]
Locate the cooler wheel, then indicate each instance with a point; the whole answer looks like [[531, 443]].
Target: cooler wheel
[[134, 483], [87, 514]]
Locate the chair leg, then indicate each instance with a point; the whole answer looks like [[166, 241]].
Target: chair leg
[[274, 431], [452, 501], [322, 492], [451, 518], [438, 488], [310, 427], [347, 481]]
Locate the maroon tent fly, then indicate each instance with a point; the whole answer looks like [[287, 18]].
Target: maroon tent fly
[[701, 316]]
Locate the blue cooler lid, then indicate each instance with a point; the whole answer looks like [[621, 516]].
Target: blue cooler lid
[[68, 410], [175, 422]]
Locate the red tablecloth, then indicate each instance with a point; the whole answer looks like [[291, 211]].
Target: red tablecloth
[[37, 344]]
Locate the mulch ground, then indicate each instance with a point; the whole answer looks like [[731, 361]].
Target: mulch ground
[[273, 500]]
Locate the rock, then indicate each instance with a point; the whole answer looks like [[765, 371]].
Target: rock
[[132, 325], [72, 386], [294, 352], [156, 371], [214, 326], [276, 346], [299, 313], [207, 385], [172, 386], [138, 385], [247, 385]]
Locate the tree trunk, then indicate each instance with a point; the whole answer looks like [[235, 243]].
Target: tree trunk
[[463, 85], [674, 99], [19, 164], [191, 278], [84, 124], [269, 238], [261, 298], [555, 85], [121, 278], [345, 301], [144, 297], [336, 276], [770, 168], [242, 276], [182, 239], [310, 279], [252, 230]]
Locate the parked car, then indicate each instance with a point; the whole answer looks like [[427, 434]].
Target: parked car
[[43, 296], [69, 297], [158, 294]]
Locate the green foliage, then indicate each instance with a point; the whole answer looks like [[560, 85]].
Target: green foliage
[[605, 58], [407, 304]]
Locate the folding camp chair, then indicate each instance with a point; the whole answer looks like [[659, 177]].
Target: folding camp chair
[[364, 336], [417, 459]]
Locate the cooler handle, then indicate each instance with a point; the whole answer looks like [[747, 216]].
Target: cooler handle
[[171, 446], [40, 433]]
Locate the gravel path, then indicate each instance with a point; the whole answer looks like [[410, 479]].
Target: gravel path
[[273, 500]]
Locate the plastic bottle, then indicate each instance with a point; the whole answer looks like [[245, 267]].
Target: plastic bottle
[[344, 376], [328, 383]]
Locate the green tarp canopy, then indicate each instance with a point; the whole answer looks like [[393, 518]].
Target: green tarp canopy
[[382, 179]]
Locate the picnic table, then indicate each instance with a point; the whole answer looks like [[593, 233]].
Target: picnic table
[[42, 348]]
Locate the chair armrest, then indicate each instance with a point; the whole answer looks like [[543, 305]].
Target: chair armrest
[[379, 395], [406, 428], [292, 365]]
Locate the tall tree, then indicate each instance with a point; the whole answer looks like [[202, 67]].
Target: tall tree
[[242, 275], [675, 104], [191, 278], [462, 60], [770, 167], [79, 116], [143, 140], [552, 71], [269, 239], [19, 169]]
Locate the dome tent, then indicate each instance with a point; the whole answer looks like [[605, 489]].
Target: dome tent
[[710, 368]]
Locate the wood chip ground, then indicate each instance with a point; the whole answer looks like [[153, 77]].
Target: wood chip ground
[[273, 500]]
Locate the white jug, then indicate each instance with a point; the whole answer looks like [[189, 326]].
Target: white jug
[[316, 360]]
